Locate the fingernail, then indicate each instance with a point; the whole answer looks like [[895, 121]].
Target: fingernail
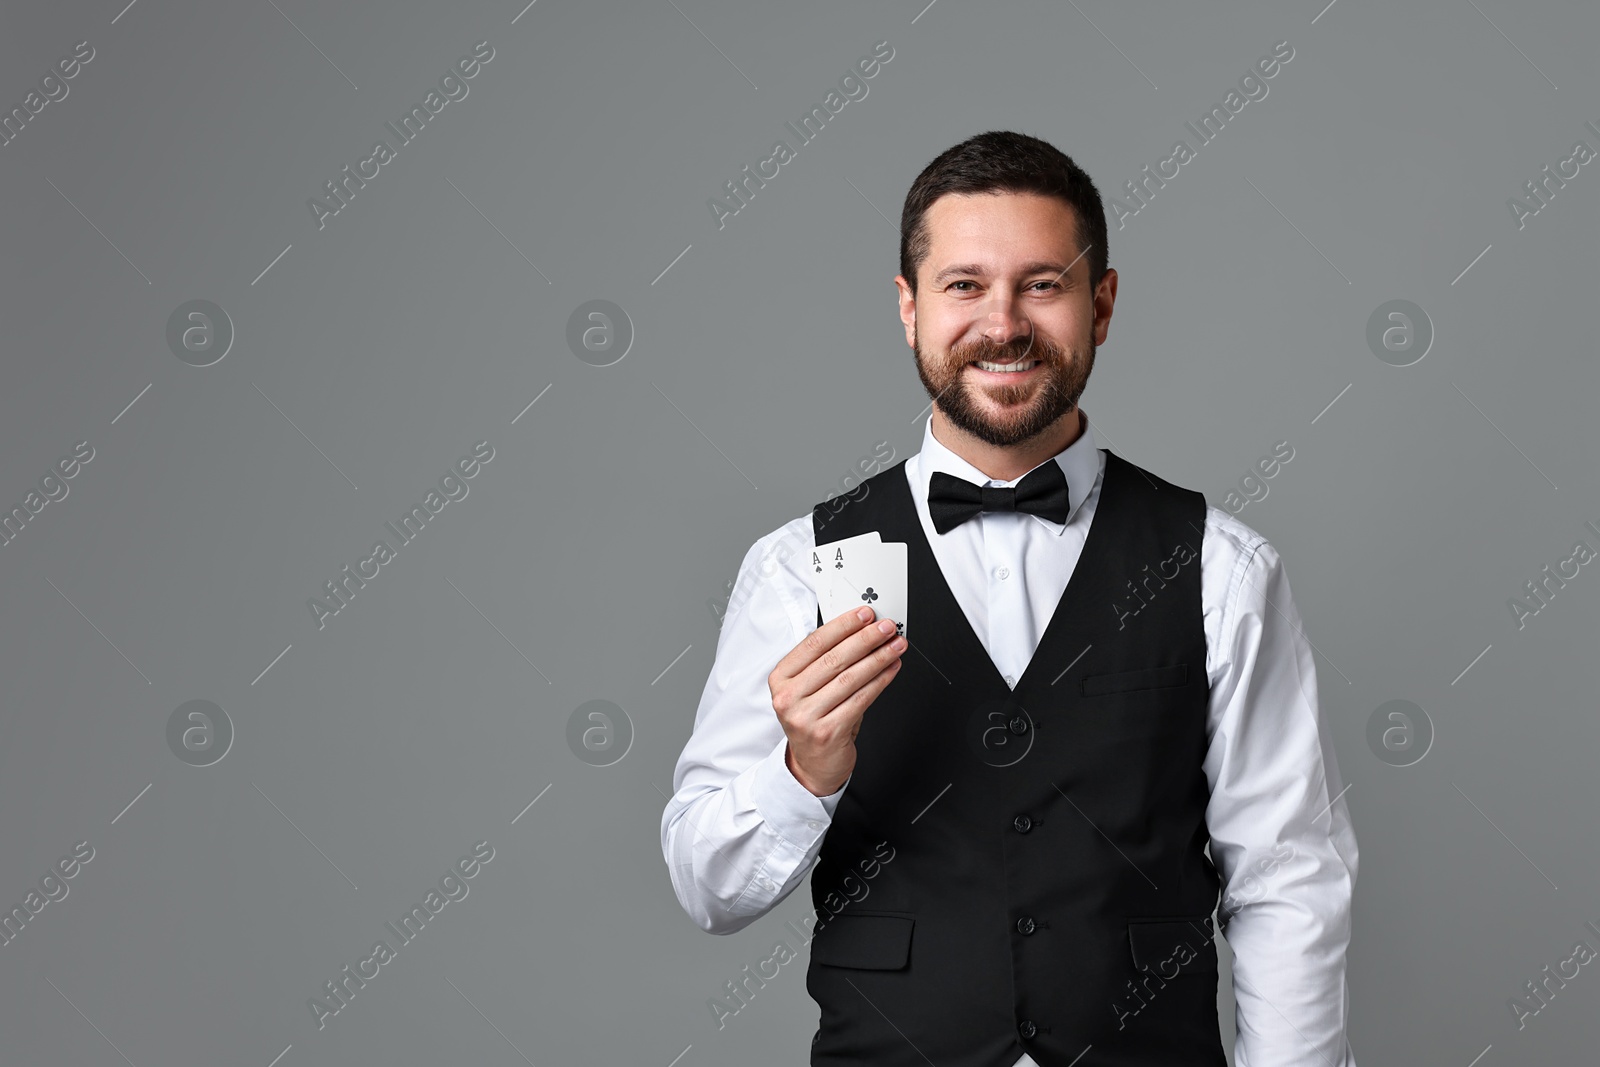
[[887, 626], [864, 614]]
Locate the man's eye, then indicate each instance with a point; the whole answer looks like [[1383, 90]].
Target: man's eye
[[1050, 285]]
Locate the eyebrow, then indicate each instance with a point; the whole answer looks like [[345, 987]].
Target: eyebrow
[[1058, 269]]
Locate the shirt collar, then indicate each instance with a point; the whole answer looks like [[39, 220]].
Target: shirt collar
[[1079, 462]]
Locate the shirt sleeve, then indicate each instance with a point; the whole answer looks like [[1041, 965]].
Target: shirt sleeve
[[740, 832], [1281, 837]]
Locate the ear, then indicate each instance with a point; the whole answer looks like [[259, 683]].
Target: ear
[[908, 309], [1105, 296]]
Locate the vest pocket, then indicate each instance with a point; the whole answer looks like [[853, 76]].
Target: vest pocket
[[1145, 678], [870, 940], [1174, 948]]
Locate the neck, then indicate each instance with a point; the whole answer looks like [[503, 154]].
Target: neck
[[1006, 463]]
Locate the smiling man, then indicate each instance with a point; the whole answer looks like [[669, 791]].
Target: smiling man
[[1108, 719]]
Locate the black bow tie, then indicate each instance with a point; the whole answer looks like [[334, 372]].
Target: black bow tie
[[1042, 492]]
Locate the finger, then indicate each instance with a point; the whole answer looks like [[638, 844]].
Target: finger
[[863, 698], [840, 657], [863, 672], [854, 706], [819, 641]]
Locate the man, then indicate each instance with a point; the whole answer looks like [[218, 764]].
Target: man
[[1010, 821]]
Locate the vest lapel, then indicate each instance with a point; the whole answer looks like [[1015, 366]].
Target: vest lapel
[[956, 642]]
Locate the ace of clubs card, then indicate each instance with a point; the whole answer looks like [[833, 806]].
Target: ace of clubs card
[[861, 570]]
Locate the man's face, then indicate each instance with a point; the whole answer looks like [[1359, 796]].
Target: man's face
[[997, 288]]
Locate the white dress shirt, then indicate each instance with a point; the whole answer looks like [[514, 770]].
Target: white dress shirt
[[741, 833]]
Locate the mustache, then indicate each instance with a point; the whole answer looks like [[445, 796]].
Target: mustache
[[1021, 348]]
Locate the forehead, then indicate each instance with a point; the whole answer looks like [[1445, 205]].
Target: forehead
[[999, 228]]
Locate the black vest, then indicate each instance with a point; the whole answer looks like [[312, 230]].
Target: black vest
[[1022, 870]]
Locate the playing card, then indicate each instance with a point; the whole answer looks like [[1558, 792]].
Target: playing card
[[871, 573], [829, 560], [883, 581]]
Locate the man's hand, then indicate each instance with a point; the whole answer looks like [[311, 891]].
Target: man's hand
[[823, 686]]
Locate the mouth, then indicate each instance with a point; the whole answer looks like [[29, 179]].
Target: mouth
[[1010, 372]]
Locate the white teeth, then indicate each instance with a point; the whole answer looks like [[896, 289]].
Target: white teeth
[[1008, 368]]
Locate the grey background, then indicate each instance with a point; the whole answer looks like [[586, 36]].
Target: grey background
[[584, 561]]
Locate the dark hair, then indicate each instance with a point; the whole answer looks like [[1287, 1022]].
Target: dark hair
[[1002, 161]]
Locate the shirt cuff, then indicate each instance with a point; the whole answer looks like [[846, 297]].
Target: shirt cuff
[[790, 810]]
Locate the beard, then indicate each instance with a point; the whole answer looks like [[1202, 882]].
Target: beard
[[1032, 407]]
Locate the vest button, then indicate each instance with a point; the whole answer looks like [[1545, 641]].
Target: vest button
[[1018, 725], [1024, 925], [1022, 824], [1027, 1029]]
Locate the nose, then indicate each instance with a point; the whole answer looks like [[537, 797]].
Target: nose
[[1001, 319]]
